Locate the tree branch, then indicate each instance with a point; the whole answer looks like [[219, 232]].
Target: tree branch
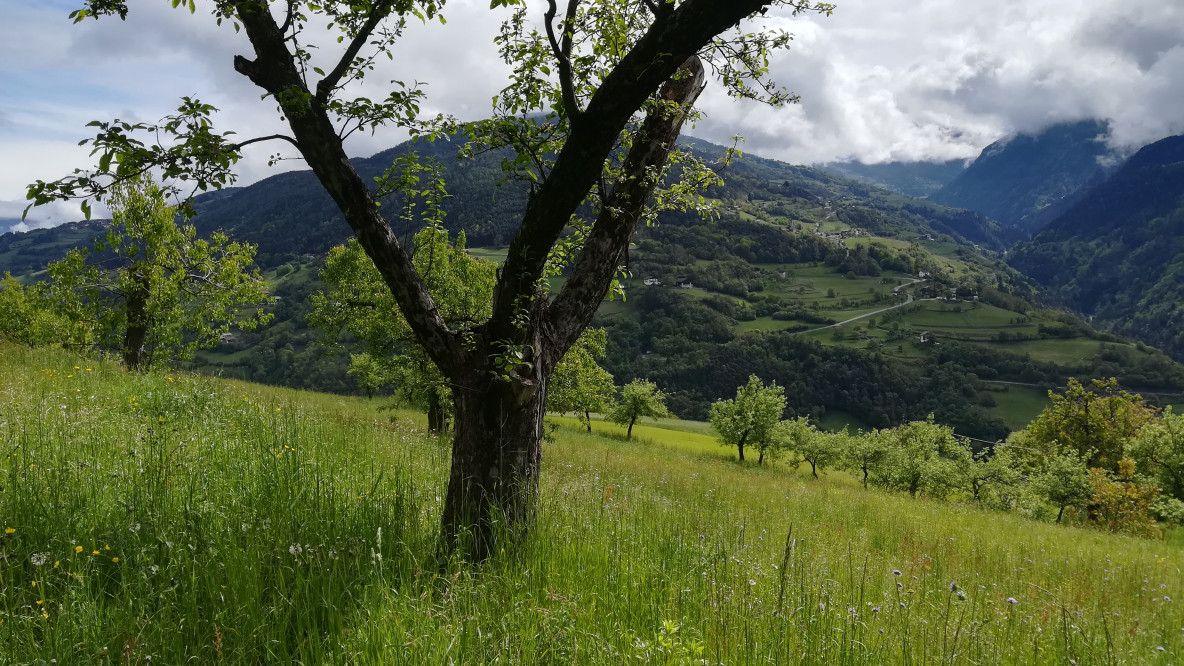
[[270, 137], [562, 53], [274, 71], [652, 61], [326, 85], [606, 244]]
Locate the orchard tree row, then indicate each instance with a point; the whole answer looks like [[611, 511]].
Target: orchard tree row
[[1097, 454]]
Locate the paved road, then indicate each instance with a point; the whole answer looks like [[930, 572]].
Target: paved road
[[896, 289]]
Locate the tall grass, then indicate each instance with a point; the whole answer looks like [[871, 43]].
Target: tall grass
[[190, 520]]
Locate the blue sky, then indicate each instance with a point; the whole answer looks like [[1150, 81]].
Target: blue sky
[[880, 79]]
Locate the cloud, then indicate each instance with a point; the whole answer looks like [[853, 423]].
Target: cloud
[[879, 80]]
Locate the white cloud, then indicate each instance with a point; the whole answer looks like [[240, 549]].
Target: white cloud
[[880, 80]]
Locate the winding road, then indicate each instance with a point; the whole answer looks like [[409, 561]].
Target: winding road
[[895, 290]]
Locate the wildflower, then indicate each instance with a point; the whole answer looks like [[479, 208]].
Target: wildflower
[[77, 368], [106, 547], [39, 602], [77, 549], [1012, 600], [9, 530], [56, 563], [44, 616], [295, 549], [39, 559], [114, 559], [94, 552], [896, 572], [32, 583], [153, 569], [875, 609], [953, 586]]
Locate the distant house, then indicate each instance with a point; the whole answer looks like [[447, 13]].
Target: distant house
[[925, 337], [923, 274], [652, 282], [683, 282], [926, 237], [227, 338]]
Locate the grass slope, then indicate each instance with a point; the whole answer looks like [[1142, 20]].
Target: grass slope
[[195, 520]]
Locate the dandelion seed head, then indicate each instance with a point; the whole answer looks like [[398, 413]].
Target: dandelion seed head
[[39, 559]]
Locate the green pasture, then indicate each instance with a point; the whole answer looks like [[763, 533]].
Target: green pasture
[[172, 518], [1018, 405], [168, 518]]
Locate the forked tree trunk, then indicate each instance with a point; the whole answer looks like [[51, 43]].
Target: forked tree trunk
[[496, 451], [135, 335]]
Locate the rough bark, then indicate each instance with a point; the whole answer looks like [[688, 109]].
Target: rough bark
[[135, 336], [496, 453]]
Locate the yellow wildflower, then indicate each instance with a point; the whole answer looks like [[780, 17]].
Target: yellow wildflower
[[114, 559], [106, 547], [56, 563], [9, 530], [77, 549], [39, 602], [32, 583], [45, 616], [94, 552], [77, 368]]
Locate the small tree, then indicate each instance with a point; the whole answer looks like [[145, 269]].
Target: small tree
[[979, 473], [1063, 481], [862, 452], [1158, 451], [1099, 420], [368, 372], [579, 384], [638, 398], [820, 449], [29, 316], [1119, 503], [151, 287], [751, 418], [919, 456], [359, 302]]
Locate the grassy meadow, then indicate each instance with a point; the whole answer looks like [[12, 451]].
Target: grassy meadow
[[179, 519]]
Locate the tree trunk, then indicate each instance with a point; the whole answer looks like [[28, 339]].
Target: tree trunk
[[135, 336], [587, 420], [629, 432], [740, 449], [813, 468], [496, 451], [760, 460], [1060, 513], [436, 417], [865, 472]]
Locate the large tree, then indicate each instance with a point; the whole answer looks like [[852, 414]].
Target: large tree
[[570, 115]]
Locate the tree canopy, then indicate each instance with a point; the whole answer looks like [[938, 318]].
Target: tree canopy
[[592, 109]]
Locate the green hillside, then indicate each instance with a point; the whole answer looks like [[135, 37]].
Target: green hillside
[[188, 519], [1118, 254]]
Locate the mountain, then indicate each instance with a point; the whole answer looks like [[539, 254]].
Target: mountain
[[30, 251], [7, 224], [916, 179], [1025, 180], [1117, 254]]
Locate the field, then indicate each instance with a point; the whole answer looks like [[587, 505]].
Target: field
[[190, 520]]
